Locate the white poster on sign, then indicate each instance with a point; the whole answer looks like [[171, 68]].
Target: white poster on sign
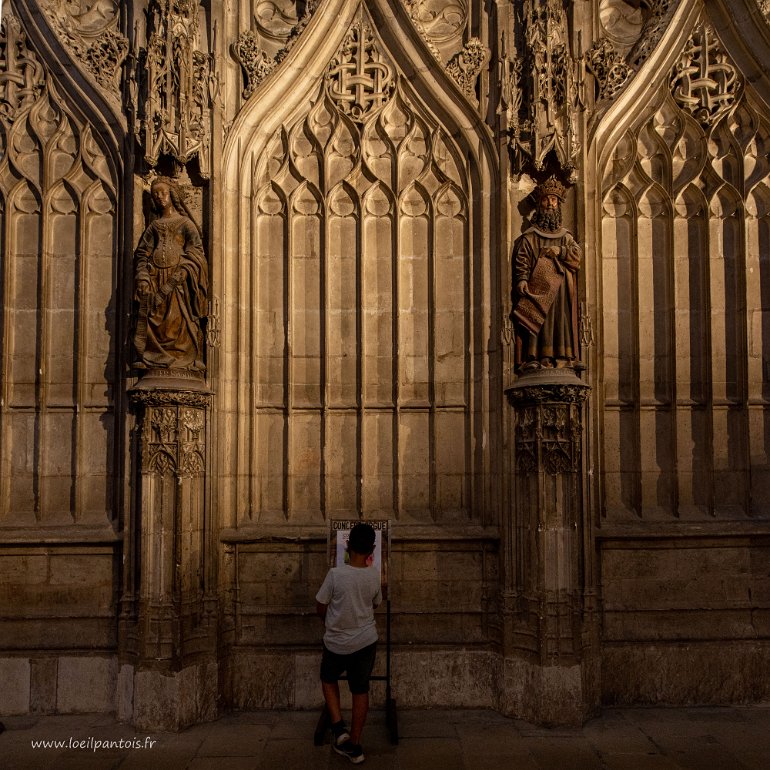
[[339, 532]]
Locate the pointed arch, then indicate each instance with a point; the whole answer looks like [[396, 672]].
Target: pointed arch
[[60, 358], [681, 174], [365, 371]]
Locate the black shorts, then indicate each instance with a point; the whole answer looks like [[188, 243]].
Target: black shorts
[[358, 664]]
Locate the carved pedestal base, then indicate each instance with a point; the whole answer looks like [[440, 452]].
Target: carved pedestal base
[[544, 611], [169, 680]]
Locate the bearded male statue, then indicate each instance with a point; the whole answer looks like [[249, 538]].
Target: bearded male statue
[[546, 259]]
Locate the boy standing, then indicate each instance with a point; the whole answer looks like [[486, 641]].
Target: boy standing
[[346, 602]]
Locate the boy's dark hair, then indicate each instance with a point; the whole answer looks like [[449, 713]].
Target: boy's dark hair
[[361, 539]]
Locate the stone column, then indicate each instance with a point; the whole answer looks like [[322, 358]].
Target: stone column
[[171, 679], [547, 676]]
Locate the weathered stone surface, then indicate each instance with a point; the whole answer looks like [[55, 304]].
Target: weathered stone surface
[[664, 672], [15, 697], [43, 685], [73, 696], [173, 701]]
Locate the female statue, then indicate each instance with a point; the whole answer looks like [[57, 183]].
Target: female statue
[[171, 286]]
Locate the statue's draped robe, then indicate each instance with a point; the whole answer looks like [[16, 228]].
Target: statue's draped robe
[[558, 336], [170, 257]]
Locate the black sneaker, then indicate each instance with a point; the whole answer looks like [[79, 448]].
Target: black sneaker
[[340, 732], [352, 751]]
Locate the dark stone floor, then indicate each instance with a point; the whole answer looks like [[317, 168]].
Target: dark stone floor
[[632, 739]]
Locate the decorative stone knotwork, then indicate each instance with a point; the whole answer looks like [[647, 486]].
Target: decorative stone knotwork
[[704, 81], [90, 30], [22, 76], [256, 64], [465, 67], [359, 78], [176, 78], [541, 89]]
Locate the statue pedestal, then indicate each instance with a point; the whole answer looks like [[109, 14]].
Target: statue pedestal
[[169, 676], [544, 599]]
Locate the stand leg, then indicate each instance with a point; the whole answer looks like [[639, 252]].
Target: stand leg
[[324, 723], [391, 719], [391, 716]]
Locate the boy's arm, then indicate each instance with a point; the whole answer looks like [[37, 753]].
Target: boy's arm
[[320, 610]]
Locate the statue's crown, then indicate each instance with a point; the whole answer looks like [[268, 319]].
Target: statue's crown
[[551, 186]]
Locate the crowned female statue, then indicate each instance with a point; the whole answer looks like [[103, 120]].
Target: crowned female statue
[[171, 287]]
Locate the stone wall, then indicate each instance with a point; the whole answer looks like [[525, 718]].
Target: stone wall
[[686, 620]]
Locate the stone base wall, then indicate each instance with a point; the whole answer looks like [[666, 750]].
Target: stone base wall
[[686, 674], [57, 685], [686, 620], [57, 597], [438, 678]]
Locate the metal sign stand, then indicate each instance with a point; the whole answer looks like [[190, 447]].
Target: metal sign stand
[[391, 715]]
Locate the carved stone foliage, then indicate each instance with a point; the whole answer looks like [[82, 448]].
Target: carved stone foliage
[[360, 79], [687, 196], [58, 221], [466, 66], [256, 64], [655, 25], [704, 81], [609, 68], [548, 434], [277, 28], [541, 88], [175, 86], [90, 30], [630, 32]]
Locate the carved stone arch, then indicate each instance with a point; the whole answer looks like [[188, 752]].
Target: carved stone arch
[[62, 257], [80, 90], [695, 248], [635, 99], [368, 315]]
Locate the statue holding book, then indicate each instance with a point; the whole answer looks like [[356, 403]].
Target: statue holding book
[[546, 259]]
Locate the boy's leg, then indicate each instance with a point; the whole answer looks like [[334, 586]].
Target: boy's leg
[[332, 698], [331, 667], [358, 678], [360, 710]]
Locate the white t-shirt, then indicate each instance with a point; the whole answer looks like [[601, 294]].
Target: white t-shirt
[[351, 593]]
